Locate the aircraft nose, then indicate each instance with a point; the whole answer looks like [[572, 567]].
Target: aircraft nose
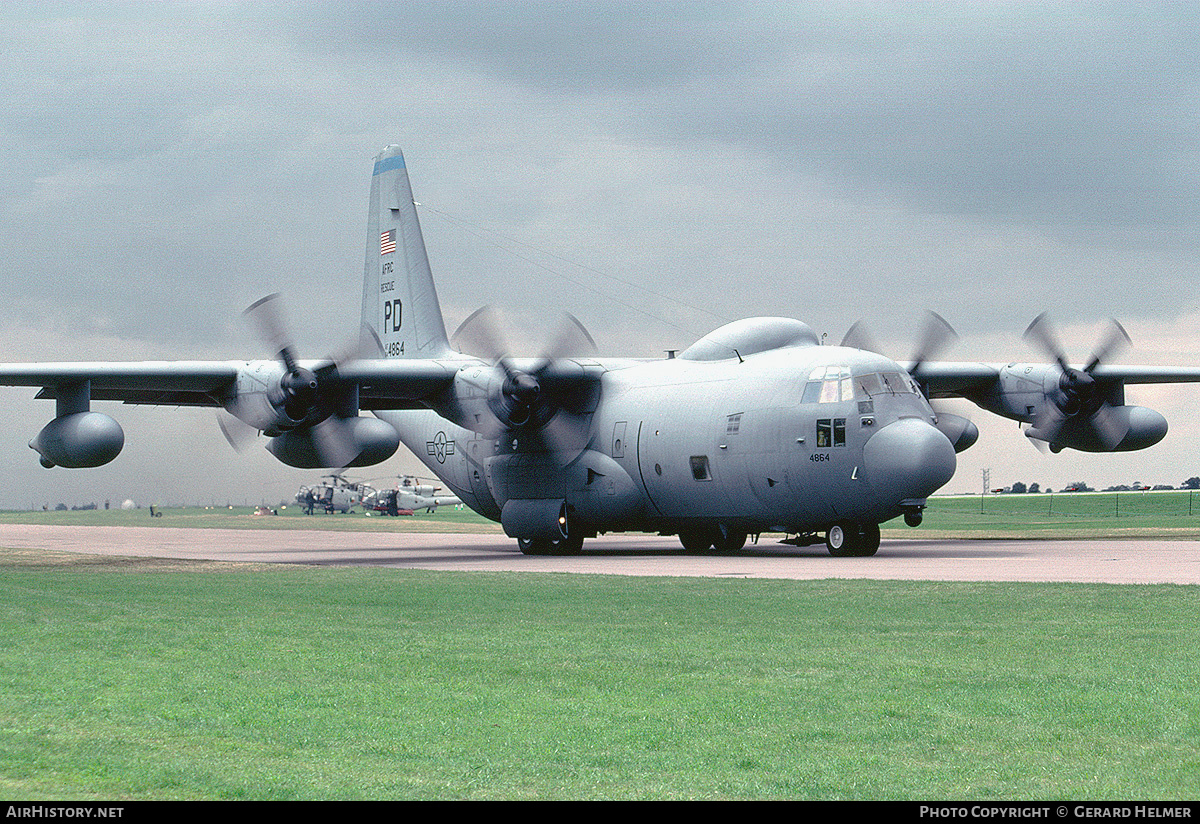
[[909, 458]]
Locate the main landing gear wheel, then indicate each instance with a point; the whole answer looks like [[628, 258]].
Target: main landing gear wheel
[[852, 540], [728, 540], [696, 540], [549, 546], [720, 539]]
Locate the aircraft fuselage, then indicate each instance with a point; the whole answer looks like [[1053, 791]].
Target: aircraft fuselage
[[791, 440]]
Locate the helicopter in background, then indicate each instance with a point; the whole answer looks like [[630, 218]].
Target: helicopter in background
[[333, 494], [409, 496]]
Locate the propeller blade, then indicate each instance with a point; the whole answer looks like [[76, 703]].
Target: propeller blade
[[1110, 429], [266, 316], [1114, 340], [859, 337], [571, 340], [935, 337], [479, 335], [334, 442], [237, 432], [1041, 333], [366, 346], [1049, 424], [1037, 443], [566, 435]]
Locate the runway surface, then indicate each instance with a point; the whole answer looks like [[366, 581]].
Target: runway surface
[[1124, 561]]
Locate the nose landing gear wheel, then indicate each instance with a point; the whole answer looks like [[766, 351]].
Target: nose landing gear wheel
[[852, 540]]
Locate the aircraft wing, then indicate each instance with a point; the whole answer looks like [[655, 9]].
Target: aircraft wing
[[1147, 374], [398, 383], [383, 383], [949, 379], [946, 379], [187, 383], [1063, 406]]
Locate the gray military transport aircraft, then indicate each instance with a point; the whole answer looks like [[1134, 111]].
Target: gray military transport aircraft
[[756, 427]]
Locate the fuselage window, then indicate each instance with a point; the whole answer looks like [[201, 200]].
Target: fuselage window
[[831, 432], [733, 423], [700, 468]]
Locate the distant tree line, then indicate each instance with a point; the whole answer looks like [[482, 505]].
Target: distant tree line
[[1019, 488]]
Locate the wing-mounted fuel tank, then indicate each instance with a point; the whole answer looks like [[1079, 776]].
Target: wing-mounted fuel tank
[[77, 438], [82, 440]]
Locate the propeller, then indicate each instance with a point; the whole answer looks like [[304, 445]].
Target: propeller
[[858, 336], [236, 431], [936, 335], [1079, 398], [315, 398], [534, 401]]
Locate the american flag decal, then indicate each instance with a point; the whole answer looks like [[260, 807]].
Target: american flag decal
[[387, 242]]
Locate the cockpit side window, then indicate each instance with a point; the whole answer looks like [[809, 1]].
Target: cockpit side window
[[831, 432]]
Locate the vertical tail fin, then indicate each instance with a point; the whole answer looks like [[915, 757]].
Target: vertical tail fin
[[400, 304]]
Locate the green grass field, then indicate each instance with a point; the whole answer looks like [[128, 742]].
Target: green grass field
[[124, 680], [1062, 515], [154, 679]]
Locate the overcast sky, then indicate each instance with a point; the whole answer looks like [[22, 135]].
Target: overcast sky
[[656, 169]]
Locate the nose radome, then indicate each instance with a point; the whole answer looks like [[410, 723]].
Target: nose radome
[[909, 459]]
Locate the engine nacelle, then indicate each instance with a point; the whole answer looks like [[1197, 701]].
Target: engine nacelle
[[1129, 427], [82, 440], [258, 400], [374, 440], [958, 430], [1146, 428]]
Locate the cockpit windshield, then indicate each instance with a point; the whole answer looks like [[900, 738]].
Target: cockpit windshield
[[831, 384]]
